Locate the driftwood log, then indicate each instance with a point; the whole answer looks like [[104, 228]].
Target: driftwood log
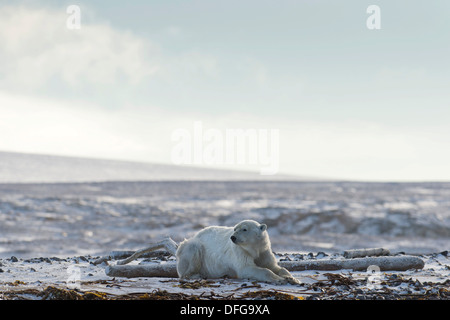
[[167, 243], [358, 253], [168, 269], [400, 263], [153, 250]]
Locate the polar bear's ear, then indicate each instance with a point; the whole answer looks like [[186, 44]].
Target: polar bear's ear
[[263, 227]]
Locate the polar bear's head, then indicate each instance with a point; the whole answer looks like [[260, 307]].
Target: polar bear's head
[[249, 233]]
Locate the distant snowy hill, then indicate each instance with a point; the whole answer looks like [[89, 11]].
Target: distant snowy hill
[[34, 168]]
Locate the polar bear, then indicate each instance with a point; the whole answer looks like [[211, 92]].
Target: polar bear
[[240, 252]]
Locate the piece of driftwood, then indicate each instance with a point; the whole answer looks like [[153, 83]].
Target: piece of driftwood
[[168, 244], [389, 263], [169, 269], [166, 270], [116, 255], [371, 252]]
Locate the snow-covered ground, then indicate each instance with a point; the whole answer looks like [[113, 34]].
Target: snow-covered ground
[[51, 277]]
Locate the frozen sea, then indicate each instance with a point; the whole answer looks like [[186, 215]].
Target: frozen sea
[[66, 219]]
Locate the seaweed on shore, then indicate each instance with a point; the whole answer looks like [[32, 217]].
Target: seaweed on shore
[[53, 293], [318, 291]]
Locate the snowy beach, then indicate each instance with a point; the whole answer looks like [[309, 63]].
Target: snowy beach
[[52, 233], [78, 278]]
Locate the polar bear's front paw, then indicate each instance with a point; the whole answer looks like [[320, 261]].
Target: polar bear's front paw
[[275, 279], [284, 280], [280, 281], [290, 279]]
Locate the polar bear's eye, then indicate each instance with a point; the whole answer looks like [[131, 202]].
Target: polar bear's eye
[[244, 229]]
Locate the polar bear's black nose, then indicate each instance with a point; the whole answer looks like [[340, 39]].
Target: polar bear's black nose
[[233, 238]]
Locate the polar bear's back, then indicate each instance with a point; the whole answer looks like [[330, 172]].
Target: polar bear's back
[[215, 233], [216, 240]]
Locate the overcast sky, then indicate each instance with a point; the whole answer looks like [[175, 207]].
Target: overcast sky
[[348, 102]]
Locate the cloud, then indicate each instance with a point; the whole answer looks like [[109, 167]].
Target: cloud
[[98, 62], [39, 47]]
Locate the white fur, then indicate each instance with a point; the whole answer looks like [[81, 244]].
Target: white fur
[[212, 254]]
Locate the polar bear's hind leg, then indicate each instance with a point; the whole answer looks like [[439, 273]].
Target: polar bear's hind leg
[[189, 259]]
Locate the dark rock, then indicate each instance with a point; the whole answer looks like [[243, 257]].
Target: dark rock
[[321, 255], [57, 259]]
